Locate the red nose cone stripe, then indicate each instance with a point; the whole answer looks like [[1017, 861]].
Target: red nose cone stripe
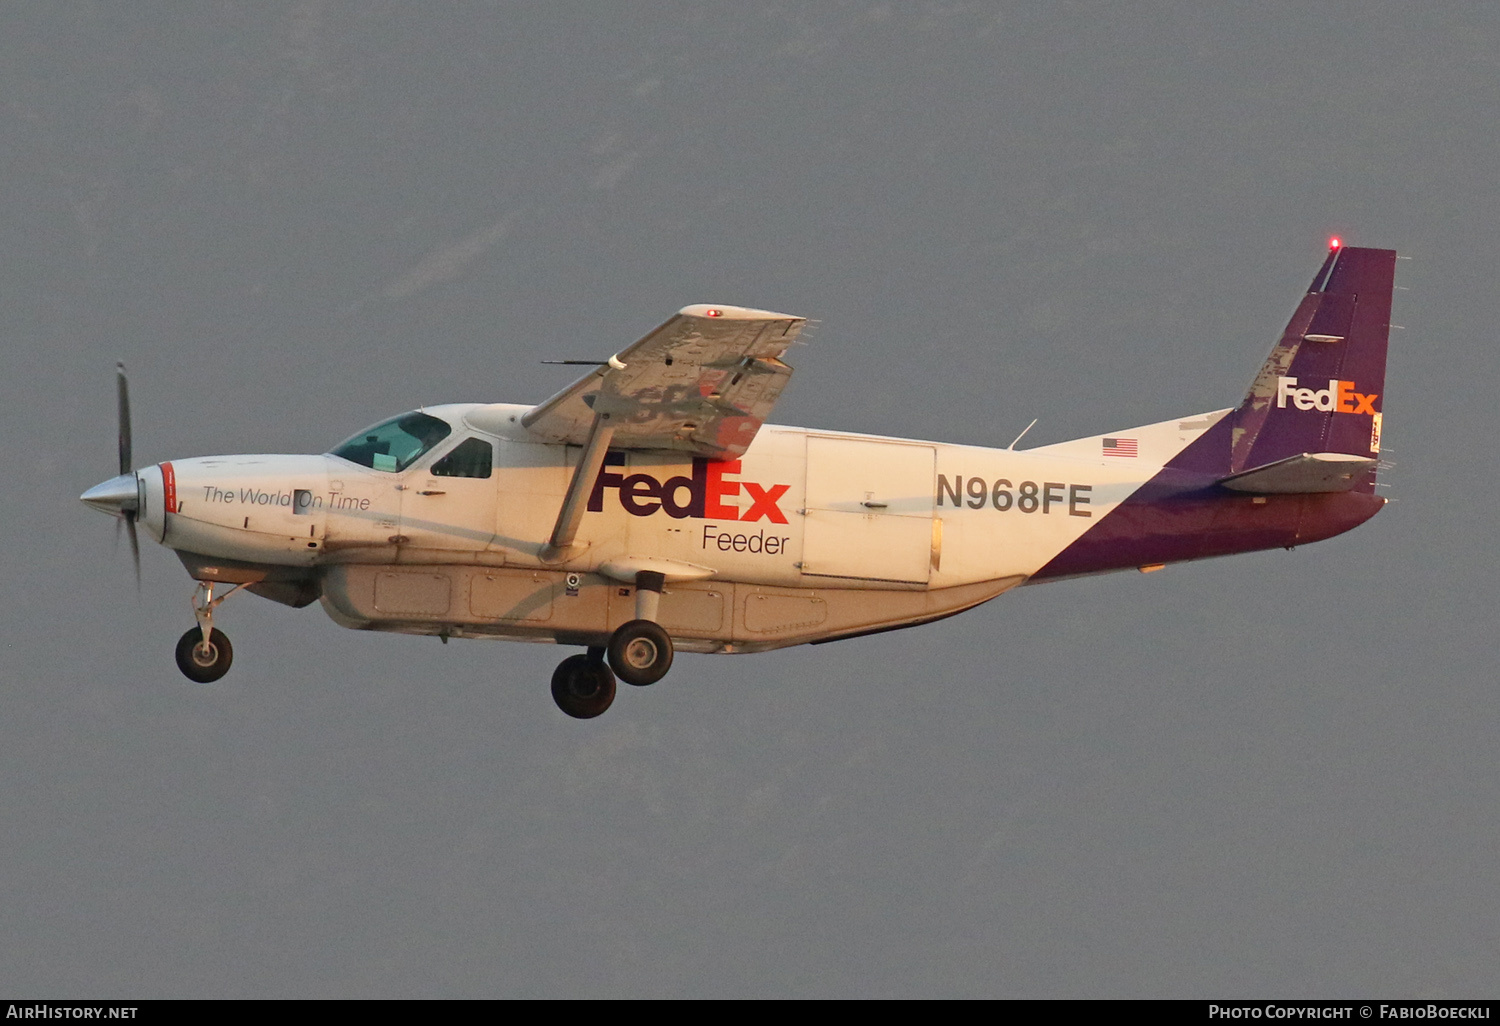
[[169, 487]]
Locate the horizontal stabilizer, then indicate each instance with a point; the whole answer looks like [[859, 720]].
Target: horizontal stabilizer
[[1304, 474]]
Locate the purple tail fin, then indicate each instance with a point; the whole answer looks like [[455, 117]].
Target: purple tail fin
[[1321, 388]]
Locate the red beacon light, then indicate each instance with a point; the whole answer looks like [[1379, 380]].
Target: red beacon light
[[1335, 242]]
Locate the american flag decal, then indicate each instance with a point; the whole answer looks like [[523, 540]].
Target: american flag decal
[[1120, 447]]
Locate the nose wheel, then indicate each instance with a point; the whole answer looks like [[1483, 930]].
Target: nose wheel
[[204, 662], [204, 653]]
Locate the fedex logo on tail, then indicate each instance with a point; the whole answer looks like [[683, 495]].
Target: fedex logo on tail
[[1338, 397]]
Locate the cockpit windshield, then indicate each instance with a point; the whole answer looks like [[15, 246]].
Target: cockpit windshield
[[396, 443]]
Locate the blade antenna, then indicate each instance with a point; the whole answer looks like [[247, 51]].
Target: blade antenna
[[1022, 435]]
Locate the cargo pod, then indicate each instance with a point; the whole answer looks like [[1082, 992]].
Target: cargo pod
[[869, 509]]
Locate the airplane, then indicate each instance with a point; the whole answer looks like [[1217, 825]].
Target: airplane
[[648, 508]]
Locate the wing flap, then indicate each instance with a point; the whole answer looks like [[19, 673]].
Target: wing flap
[[1308, 473], [703, 382]]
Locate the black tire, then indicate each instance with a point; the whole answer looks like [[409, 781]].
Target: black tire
[[200, 667], [640, 652], [582, 687]]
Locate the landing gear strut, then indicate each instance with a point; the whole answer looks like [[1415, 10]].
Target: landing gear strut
[[582, 685], [204, 653], [640, 651]]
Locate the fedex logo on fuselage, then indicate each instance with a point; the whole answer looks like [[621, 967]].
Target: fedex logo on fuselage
[[1338, 397], [700, 495]]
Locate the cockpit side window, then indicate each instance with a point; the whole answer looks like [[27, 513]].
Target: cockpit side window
[[472, 457], [394, 444]]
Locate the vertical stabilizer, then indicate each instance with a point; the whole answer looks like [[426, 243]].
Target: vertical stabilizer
[[1321, 389]]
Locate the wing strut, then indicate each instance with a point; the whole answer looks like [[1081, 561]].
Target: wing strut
[[576, 500]]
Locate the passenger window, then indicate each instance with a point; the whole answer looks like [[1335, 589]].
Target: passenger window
[[472, 458]]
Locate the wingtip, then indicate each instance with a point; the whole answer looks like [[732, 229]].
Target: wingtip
[[719, 311]]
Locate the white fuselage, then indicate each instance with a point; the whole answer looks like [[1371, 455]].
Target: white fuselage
[[811, 534]]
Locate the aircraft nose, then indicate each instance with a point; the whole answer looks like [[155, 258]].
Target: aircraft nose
[[117, 496]]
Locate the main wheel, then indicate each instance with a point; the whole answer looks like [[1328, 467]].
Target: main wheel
[[582, 687], [204, 665], [640, 652]]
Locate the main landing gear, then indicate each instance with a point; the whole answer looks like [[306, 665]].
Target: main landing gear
[[582, 685], [204, 653], [640, 653]]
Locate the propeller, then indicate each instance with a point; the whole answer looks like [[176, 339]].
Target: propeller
[[127, 466], [124, 396], [120, 495]]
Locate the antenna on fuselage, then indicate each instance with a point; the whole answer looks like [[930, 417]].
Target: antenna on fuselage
[[1022, 435]]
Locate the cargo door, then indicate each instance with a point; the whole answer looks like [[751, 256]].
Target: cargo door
[[869, 509]]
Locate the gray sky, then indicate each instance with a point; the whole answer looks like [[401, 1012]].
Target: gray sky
[[1272, 775]]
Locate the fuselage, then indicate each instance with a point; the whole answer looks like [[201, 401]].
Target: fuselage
[[819, 534]]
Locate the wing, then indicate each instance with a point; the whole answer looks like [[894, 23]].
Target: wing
[[704, 382]]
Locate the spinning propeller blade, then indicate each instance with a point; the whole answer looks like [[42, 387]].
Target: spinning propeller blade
[[123, 390], [135, 549], [127, 461]]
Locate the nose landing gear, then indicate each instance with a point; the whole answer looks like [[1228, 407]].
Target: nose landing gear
[[203, 662], [204, 653]]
